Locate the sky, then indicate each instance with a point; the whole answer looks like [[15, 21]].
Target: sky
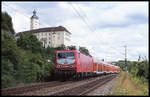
[[104, 28]]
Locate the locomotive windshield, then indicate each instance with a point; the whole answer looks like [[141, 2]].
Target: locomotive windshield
[[66, 58], [66, 55]]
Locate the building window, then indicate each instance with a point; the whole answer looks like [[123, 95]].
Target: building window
[[67, 39], [67, 34]]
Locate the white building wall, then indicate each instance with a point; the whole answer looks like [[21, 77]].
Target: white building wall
[[56, 40], [67, 39], [59, 38]]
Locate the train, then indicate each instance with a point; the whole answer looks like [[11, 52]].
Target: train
[[73, 63]]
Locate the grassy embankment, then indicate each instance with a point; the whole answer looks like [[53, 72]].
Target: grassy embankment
[[126, 84]]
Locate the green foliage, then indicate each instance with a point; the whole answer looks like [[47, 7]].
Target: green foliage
[[84, 50], [10, 50], [50, 54], [24, 63], [121, 64], [137, 69], [7, 23], [141, 70], [30, 42], [24, 59], [7, 73], [140, 82]]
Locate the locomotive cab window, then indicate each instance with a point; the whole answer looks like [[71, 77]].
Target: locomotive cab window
[[66, 58], [61, 55], [66, 55]]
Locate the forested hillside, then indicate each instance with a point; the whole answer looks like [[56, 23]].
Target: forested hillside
[[7, 24], [24, 59]]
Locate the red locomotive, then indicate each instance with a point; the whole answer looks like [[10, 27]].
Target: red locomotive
[[74, 63]]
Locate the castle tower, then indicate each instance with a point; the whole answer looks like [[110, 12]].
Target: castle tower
[[34, 21]]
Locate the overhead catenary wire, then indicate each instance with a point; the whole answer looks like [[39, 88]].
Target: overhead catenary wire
[[88, 20], [121, 53], [136, 55], [84, 19], [81, 17], [16, 10], [90, 27]]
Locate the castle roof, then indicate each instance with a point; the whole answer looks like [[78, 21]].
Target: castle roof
[[47, 29], [34, 15]]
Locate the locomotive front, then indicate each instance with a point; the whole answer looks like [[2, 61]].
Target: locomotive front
[[65, 63]]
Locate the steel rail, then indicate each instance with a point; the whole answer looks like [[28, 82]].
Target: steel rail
[[85, 88]]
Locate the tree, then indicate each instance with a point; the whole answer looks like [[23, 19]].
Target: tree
[[7, 73], [84, 50], [48, 50], [23, 60], [61, 47], [72, 47], [12, 60], [7, 25], [142, 69], [30, 42], [10, 50]]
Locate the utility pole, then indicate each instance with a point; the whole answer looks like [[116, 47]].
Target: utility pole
[[126, 57]]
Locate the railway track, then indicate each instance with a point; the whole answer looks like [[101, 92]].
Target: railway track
[[29, 88], [60, 88], [87, 87]]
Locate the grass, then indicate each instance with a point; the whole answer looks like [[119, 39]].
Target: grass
[[128, 85], [140, 84]]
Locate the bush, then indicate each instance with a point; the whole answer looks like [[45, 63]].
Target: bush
[[24, 59], [25, 65], [7, 74]]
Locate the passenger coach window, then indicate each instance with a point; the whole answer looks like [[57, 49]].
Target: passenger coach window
[[79, 55]]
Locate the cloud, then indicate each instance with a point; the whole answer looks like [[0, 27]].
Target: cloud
[[121, 14], [115, 24], [21, 22]]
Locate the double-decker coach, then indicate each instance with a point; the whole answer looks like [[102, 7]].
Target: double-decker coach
[[70, 63], [98, 66]]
